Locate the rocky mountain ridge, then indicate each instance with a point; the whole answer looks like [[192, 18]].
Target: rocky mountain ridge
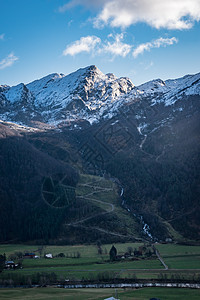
[[86, 94]]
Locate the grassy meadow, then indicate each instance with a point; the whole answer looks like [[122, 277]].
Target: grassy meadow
[[183, 262], [99, 294]]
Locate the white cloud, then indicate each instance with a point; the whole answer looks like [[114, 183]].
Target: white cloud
[[67, 6], [94, 45], [85, 44], [8, 61], [117, 47], [161, 42], [170, 14], [2, 36], [87, 3]]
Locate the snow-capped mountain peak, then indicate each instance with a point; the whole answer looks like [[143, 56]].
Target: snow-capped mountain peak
[[87, 94], [153, 86]]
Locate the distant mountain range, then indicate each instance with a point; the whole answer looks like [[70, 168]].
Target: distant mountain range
[[145, 139], [86, 94]]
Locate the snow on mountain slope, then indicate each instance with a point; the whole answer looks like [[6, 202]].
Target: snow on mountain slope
[[18, 93], [4, 87], [37, 85], [153, 86], [188, 85], [87, 94], [169, 91], [88, 84]]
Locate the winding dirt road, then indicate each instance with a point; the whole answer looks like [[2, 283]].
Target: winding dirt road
[[107, 211]]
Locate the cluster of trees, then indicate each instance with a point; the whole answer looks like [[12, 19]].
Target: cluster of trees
[[43, 279], [141, 251], [76, 254], [24, 215], [2, 262]]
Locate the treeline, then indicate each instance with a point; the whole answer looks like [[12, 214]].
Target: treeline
[[43, 279]]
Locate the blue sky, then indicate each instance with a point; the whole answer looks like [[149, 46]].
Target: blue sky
[[140, 39]]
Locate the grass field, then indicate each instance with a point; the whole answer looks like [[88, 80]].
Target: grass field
[[88, 266], [99, 294], [173, 249], [81, 270], [183, 261], [87, 251], [180, 256]]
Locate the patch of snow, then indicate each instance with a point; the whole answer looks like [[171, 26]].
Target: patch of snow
[[114, 122], [14, 94], [141, 127]]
